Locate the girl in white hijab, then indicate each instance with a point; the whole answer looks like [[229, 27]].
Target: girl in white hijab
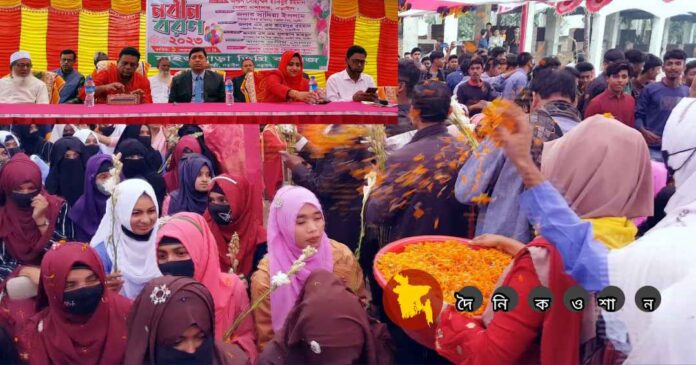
[[60, 129], [89, 138], [130, 223]]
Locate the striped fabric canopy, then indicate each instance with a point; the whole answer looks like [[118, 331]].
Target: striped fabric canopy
[[45, 27]]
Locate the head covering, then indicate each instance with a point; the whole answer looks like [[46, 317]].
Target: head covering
[[5, 135], [19, 55], [324, 305], [283, 250], [295, 82], [66, 177], [58, 130], [163, 311], [186, 198], [247, 220], [58, 337], [132, 131], [136, 260], [583, 165], [18, 231], [31, 141], [89, 209], [131, 147], [679, 135], [171, 177], [83, 134], [227, 290]]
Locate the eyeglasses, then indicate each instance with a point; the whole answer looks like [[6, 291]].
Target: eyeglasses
[[666, 155], [23, 65]]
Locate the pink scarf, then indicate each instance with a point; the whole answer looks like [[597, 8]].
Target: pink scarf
[[228, 291], [283, 251]]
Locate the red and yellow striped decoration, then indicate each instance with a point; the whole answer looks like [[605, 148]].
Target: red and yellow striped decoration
[[45, 27]]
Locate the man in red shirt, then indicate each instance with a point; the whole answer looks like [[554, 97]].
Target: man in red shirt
[[122, 79], [613, 100]]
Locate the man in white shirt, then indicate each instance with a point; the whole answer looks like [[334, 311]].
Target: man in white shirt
[[351, 83], [21, 86], [159, 84]]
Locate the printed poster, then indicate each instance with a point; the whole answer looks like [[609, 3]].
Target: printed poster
[[232, 30]]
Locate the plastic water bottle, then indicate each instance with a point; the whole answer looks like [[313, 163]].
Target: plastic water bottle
[[313, 86], [89, 91], [229, 92]]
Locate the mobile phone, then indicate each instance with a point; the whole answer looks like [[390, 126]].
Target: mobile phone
[[371, 90]]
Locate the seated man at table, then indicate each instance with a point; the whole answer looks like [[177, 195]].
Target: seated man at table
[[197, 85], [21, 86], [122, 79], [351, 83], [240, 92]]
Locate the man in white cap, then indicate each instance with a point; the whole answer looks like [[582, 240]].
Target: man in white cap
[[21, 86]]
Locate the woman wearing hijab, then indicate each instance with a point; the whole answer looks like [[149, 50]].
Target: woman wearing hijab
[[660, 259], [125, 239], [67, 174], [173, 322], [295, 222], [197, 131], [91, 141], [141, 132], [30, 218], [9, 140], [109, 135], [287, 82], [195, 173], [89, 209], [234, 207], [185, 248], [187, 144], [159, 139], [309, 335], [62, 130], [79, 321], [33, 141], [135, 164]]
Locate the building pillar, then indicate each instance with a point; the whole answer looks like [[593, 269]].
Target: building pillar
[[597, 40], [656, 36], [451, 29], [553, 30], [614, 21], [527, 30], [410, 33]]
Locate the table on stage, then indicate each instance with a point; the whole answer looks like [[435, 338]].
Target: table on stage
[[203, 113]]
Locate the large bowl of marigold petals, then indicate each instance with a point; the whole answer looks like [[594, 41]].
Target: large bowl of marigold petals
[[451, 261]]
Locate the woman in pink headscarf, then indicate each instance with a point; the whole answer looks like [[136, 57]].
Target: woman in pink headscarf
[[295, 222], [187, 247]]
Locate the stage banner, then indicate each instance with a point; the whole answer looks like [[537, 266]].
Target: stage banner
[[232, 30]]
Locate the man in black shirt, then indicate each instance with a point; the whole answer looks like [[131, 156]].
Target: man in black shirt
[[475, 93]]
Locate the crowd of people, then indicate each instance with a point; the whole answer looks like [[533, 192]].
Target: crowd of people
[[131, 244]]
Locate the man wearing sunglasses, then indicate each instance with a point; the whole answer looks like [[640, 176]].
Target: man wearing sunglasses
[[21, 86], [122, 79]]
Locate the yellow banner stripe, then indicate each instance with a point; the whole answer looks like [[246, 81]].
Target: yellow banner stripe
[[66, 4], [367, 35], [346, 8], [126, 6], [33, 36], [391, 9], [94, 30], [10, 3]]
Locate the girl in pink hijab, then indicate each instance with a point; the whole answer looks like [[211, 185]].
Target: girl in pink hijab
[[187, 247], [295, 222]]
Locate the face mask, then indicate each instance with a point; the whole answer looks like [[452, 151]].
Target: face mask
[[103, 190], [178, 268], [92, 149], [145, 140], [107, 130], [84, 300], [221, 213], [170, 355], [13, 151], [133, 168], [23, 200]]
